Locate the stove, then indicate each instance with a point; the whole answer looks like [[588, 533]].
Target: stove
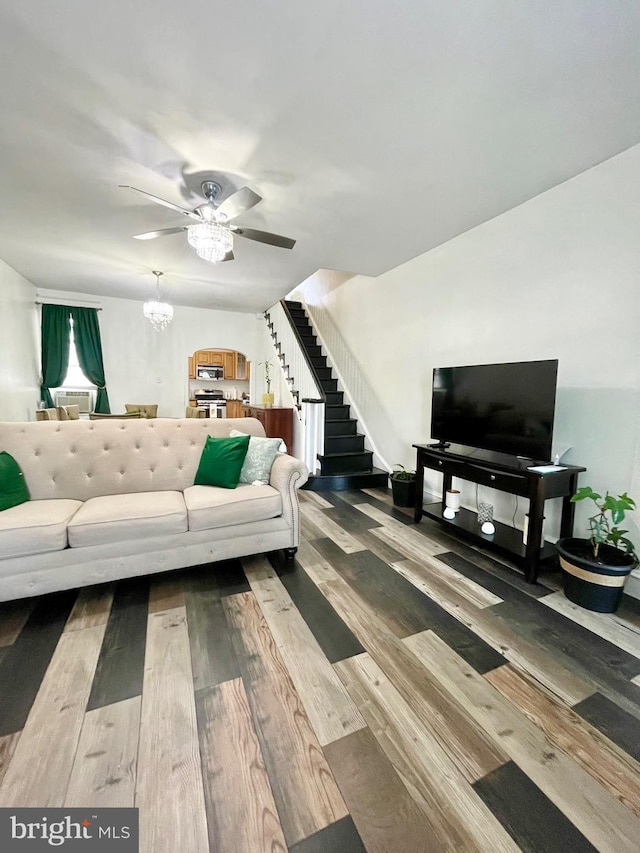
[[213, 401]]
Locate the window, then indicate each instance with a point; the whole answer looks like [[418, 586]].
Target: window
[[75, 378]]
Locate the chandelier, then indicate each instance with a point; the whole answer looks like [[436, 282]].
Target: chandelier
[[159, 314], [211, 240]]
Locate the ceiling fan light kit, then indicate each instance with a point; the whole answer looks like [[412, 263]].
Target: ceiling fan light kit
[[210, 236], [210, 240], [159, 314]]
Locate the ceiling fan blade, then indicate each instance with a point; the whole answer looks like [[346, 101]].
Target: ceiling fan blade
[[237, 203], [264, 237], [151, 235], [163, 202]]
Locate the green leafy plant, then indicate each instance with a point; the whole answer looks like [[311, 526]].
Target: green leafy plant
[[400, 473], [267, 374], [604, 524]]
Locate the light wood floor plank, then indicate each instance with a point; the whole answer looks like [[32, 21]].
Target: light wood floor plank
[[329, 528], [474, 754], [400, 536], [594, 752], [329, 707], [457, 816], [53, 726], [307, 496], [538, 663], [601, 818], [92, 607], [315, 565], [600, 623], [303, 786], [8, 745], [440, 572], [165, 593], [385, 814], [379, 494], [169, 791], [241, 812], [104, 770]]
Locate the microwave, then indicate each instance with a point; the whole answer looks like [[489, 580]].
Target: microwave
[[209, 371]]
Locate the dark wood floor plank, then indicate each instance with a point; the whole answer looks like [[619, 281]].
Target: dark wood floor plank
[[530, 818], [120, 671], [378, 547], [334, 638], [26, 661], [500, 582], [13, 616], [338, 837], [304, 789], [613, 721], [230, 577], [403, 607], [241, 812], [213, 659], [386, 816]]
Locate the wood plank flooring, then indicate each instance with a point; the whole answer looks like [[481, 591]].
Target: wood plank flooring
[[392, 690]]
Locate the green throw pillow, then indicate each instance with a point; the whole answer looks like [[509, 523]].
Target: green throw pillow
[[13, 489], [259, 459], [221, 462]]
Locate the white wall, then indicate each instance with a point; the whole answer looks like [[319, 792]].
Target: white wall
[[557, 277], [19, 347], [145, 366]]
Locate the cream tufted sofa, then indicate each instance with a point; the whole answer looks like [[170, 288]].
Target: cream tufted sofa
[[113, 499]]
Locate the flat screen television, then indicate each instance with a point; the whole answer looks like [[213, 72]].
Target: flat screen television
[[505, 408]]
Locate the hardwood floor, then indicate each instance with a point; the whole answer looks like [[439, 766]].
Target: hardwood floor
[[391, 690]]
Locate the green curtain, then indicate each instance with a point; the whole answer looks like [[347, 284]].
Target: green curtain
[[86, 333], [54, 338]]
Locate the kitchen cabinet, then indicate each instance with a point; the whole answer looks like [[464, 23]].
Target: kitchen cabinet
[[277, 422], [234, 364], [242, 366], [229, 363], [235, 409]]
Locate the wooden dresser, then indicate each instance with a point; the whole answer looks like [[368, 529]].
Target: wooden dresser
[[277, 422]]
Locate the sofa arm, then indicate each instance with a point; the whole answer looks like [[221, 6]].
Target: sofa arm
[[287, 475]]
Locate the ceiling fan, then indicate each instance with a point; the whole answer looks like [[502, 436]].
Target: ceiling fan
[[211, 235]]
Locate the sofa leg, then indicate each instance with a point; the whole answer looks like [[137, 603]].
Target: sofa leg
[[290, 553]]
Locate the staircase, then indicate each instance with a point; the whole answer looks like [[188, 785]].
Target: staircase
[[345, 464]]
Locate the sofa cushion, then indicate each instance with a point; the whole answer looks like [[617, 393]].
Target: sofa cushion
[[212, 506], [112, 518], [13, 488], [221, 461], [36, 527], [259, 459]]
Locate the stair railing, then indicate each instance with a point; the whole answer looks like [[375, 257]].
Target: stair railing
[[301, 381]]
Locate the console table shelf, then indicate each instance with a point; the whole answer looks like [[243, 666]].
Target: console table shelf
[[506, 540], [512, 476]]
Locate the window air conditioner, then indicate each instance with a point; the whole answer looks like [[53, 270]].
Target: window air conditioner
[[83, 399]]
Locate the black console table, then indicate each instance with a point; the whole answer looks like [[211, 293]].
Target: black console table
[[513, 477]]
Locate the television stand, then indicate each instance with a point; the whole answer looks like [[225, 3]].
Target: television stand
[[515, 479]]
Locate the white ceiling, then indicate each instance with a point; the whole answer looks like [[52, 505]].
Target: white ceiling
[[374, 131]]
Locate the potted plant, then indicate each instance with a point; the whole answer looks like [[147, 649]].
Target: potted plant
[[596, 569], [268, 398], [403, 486]]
